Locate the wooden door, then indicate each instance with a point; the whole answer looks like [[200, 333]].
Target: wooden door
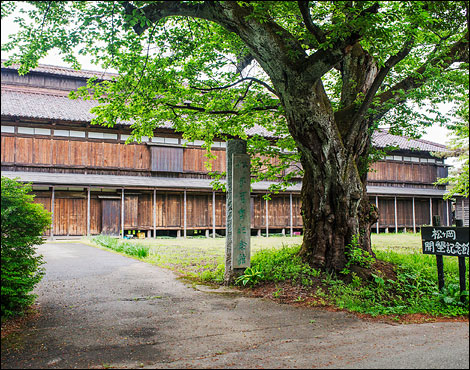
[[111, 216]]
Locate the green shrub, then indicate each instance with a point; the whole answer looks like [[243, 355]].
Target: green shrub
[[283, 264], [251, 276], [23, 224]]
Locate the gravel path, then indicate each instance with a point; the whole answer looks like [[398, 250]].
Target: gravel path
[[100, 310]]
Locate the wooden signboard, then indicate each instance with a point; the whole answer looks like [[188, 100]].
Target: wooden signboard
[[445, 241]]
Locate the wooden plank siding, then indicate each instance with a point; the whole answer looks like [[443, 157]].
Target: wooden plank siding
[[405, 172], [42, 151], [8, 149], [95, 216], [145, 215], [69, 216], [73, 153], [279, 212], [131, 211], [220, 211], [46, 202], [194, 160], [70, 212], [199, 210]]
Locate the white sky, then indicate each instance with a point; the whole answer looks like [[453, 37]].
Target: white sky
[[435, 134]]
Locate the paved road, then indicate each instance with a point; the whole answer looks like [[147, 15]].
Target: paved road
[[100, 310]]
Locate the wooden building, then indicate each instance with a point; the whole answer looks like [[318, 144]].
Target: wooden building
[[462, 210], [94, 183]]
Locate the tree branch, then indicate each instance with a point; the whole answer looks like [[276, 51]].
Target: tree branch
[[457, 53], [159, 10], [235, 83], [392, 61], [312, 27], [203, 110], [322, 61], [244, 62]]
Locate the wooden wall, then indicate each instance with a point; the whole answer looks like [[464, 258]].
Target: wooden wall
[[95, 154], [70, 211], [405, 212], [74, 153], [421, 173]]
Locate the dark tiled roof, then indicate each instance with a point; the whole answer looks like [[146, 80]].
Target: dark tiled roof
[[41, 104], [382, 138], [27, 104], [65, 71]]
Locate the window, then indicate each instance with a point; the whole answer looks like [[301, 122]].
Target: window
[[77, 133], [42, 131], [109, 136], [8, 129], [95, 135], [61, 133], [26, 130], [397, 158], [171, 140], [414, 159]]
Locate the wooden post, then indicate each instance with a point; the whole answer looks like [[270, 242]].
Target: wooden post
[[52, 211], [463, 211], [377, 206], [436, 221], [430, 212], [155, 213], [88, 213], [213, 214], [396, 220], [447, 213], [291, 217], [184, 214], [414, 216], [462, 267], [122, 213], [267, 219], [462, 277]]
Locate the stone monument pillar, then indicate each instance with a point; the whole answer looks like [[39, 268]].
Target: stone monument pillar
[[237, 241]]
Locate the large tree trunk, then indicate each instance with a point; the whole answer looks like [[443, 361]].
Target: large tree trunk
[[334, 210], [335, 206]]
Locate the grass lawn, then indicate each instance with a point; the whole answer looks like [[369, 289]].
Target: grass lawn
[[191, 256]]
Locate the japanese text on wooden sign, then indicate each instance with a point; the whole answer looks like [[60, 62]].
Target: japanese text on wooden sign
[[445, 241], [241, 211]]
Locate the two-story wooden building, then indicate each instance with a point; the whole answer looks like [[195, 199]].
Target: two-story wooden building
[[93, 182]]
